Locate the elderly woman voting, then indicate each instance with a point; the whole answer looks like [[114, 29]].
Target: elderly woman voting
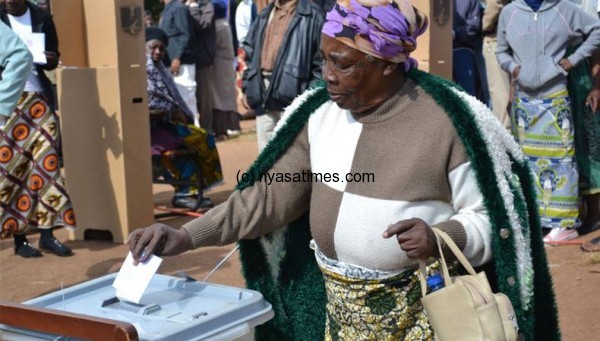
[[373, 159]]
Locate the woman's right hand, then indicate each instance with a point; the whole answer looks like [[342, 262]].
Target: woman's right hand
[[158, 239]]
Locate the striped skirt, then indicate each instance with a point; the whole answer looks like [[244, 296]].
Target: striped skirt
[[544, 128], [32, 189]]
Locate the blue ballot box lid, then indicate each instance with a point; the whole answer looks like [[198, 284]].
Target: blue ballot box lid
[[172, 308]]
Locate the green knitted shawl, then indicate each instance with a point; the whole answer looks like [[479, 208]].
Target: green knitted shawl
[[297, 291]]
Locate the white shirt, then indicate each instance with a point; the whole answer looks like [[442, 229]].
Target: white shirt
[[21, 26], [243, 19]]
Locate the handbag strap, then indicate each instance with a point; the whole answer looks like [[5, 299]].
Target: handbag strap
[[441, 235]]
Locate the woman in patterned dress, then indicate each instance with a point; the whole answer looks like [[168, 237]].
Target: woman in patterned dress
[[32, 190], [533, 37], [171, 128]]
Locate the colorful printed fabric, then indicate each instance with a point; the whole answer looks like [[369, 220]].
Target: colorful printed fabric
[[384, 29], [32, 190], [544, 128], [587, 129], [360, 307], [162, 91], [181, 168], [168, 132]]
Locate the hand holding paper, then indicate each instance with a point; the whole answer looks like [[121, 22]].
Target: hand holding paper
[[36, 42], [132, 280]]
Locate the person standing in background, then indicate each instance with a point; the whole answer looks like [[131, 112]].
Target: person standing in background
[[176, 22], [584, 88], [245, 15], [466, 34], [283, 59], [226, 119], [51, 74], [203, 15], [533, 38], [497, 79], [33, 194]]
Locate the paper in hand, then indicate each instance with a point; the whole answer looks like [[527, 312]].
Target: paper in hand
[[36, 43], [132, 280]]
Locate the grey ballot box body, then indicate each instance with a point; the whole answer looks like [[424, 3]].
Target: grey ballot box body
[[171, 308]]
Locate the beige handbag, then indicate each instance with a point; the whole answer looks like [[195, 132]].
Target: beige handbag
[[466, 308]]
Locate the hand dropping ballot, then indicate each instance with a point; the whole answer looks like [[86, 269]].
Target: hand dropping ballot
[[132, 280]]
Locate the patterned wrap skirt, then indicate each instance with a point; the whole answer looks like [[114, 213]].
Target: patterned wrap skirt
[[181, 168], [545, 130], [364, 304], [32, 189]]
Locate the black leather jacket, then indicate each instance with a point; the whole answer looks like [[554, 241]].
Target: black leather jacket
[[298, 63], [41, 22]]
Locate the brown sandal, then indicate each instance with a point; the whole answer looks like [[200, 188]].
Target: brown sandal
[[591, 246]]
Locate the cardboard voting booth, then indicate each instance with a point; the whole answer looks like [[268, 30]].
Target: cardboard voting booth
[[434, 48], [103, 106], [172, 308]]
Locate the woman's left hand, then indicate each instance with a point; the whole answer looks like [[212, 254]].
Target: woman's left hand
[[415, 237]]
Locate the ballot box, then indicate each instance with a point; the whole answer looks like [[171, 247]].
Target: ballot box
[[171, 308]]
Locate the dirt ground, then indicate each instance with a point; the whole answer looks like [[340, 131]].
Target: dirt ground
[[576, 275]]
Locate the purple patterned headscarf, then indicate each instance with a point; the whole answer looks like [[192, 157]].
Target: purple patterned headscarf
[[385, 29]]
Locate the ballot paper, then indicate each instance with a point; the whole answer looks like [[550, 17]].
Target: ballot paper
[[132, 280], [36, 42]]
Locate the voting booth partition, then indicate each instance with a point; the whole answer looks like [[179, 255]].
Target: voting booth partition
[[103, 107], [434, 47]]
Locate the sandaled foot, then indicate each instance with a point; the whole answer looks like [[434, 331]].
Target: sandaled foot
[[56, 247], [25, 250], [591, 246]]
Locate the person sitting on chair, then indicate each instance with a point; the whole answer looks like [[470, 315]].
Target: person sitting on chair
[[171, 128]]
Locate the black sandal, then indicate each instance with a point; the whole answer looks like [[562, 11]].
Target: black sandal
[[53, 245], [27, 251]]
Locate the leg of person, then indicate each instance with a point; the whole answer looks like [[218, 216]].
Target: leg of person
[[23, 248], [186, 85], [498, 81], [546, 133], [203, 144], [204, 95], [185, 194], [50, 244], [233, 124], [265, 125], [32, 188], [591, 246], [220, 124], [592, 219]]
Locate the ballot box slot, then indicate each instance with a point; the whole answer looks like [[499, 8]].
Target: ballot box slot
[[121, 305]]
